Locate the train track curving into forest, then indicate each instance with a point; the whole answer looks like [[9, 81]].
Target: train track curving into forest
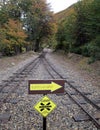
[[70, 87], [13, 83]]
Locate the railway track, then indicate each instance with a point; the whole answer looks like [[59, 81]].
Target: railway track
[[77, 93], [18, 79], [14, 82]]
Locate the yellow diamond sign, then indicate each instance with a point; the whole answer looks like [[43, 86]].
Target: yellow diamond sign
[[45, 106]]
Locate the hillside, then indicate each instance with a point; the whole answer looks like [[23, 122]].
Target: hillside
[[65, 13], [68, 11], [79, 29]]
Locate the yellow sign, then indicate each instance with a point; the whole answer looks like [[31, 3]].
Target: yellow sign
[[45, 106], [50, 86]]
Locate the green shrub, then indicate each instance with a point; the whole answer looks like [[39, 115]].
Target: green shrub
[[94, 48], [85, 50]]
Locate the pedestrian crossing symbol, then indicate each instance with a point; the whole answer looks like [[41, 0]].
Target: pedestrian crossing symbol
[[45, 106]]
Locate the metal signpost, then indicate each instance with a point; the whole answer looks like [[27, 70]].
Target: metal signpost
[[45, 106]]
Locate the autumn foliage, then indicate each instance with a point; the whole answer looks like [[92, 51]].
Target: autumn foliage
[[24, 24], [12, 38]]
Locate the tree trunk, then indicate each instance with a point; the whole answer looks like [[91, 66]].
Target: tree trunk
[[36, 47]]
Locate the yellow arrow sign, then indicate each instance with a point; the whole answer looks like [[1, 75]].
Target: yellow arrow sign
[[38, 87]]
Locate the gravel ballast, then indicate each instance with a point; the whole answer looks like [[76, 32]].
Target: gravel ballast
[[21, 113]]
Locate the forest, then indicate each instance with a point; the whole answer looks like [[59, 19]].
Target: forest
[[30, 25], [24, 25], [79, 31]]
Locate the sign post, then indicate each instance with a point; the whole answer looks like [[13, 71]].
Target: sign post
[[44, 123], [45, 106]]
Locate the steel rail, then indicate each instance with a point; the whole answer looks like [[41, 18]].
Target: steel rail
[[90, 116], [32, 64], [48, 69], [14, 88], [86, 98], [16, 74]]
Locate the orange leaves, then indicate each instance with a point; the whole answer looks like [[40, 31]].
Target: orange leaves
[[21, 34], [13, 24], [6, 41], [13, 36], [14, 30]]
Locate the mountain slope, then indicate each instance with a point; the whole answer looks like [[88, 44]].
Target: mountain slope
[[63, 14]]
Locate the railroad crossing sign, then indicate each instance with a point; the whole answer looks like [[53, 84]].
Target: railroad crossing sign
[[45, 106], [46, 86]]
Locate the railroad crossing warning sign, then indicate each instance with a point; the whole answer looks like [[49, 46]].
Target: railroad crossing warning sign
[[45, 106], [46, 86]]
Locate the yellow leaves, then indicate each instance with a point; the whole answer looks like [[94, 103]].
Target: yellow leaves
[[6, 41], [12, 34], [14, 30], [14, 24], [53, 27], [21, 34]]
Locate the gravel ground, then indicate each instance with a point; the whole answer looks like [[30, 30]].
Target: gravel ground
[[24, 117], [9, 65]]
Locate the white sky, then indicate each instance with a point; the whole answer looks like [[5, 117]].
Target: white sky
[[58, 5]]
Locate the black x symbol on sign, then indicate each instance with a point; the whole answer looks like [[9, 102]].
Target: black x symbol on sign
[[43, 106]]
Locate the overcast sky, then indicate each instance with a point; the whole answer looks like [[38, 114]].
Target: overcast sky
[[58, 5]]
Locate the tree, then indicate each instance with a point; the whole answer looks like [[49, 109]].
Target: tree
[[80, 33], [38, 21], [12, 38], [36, 18], [65, 33]]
